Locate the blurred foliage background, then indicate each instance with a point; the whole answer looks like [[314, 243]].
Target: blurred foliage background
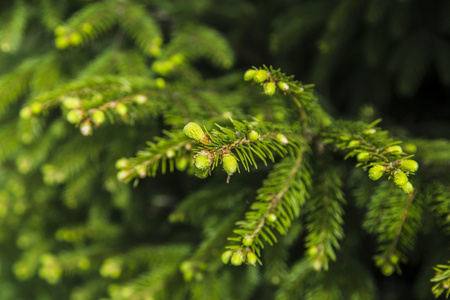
[[70, 230]]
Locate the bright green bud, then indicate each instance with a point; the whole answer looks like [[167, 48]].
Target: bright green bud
[[249, 74], [121, 109], [61, 30], [410, 148], [283, 86], [202, 162], [26, 112], [281, 138], [229, 164], [194, 131], [407, 188], [75, 38], [369, 131], [98, 117], [61, 42], [123, 175], [140, 99], [141, 170], [202, 174], [409, 165], [363, 156], [247, 241], [162, 67], [71, 103], [177, 59], [269, 88], [237, 259], [394, 149], [170, 153], [252, 258], [160, 83], [400, 179], [394, 259], [271, 218], [260, 76], [353, 144], [253, 135], [74, 116], [226, 256], [122, 163], [376, 172], [36, 108], [387, 269], [86, 128], [181, 163]]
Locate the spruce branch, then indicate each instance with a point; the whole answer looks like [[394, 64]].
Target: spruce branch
[[441, 280], [324, 213], [278, 203], [395, 222], [166, 153], [374, 150]]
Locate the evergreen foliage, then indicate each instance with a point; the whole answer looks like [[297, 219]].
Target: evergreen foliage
[[139, 160]]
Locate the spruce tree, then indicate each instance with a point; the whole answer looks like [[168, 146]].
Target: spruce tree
[[150, 152]]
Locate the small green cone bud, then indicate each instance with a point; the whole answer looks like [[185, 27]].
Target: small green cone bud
[[369, 131], [253, 135], [400, 179], [252, 258], [86, 128], [353, 144], [249, 74], [177, 59], [61, 42], [26, 112], [387, 269], [202, 162], [140, 99], [394, 259], [170, 153], [61, 30], [363, 156], [237, 259], [98, 117], [226, 256], [260, 76], [181, 163], [281, 138], [160, 83], [75, 39], [123, 175], [202, 174], [121, 109], [36, 108], [410, 148], [407, 188], [394, 149], [74, 116], [269, 88], [194, 131], [122, 163], [376, 172], [409, 165], [283, 86], [271, 218], [229, 164], [141, 170], [72, 103], [247, 241]]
